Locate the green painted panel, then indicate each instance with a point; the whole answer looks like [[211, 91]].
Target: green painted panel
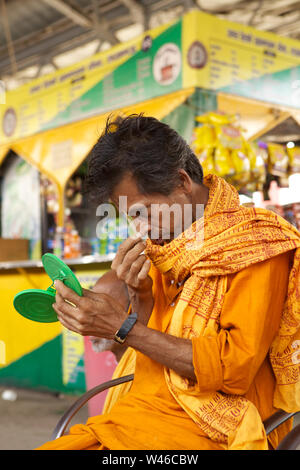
[[147, 74], [42, 369]]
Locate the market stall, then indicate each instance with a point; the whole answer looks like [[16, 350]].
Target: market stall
[[48, 128], [185, 73]]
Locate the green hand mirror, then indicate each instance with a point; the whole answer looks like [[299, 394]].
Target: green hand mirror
[[36, 304]]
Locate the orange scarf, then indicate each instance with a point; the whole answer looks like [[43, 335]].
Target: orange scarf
[[235, 237]]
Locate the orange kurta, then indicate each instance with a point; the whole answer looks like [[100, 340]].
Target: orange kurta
[[235, 362]]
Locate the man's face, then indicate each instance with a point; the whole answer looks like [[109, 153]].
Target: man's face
[[161, 218]]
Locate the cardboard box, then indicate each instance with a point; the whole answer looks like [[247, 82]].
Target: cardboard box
[[14, 249]]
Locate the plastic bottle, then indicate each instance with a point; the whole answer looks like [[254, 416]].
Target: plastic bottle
[[58, 248], [67, 244], [75, 244], [95, 244], [111, 236], [103, 243], [119, 235], [50, 241], [123, 228], [103, 237]]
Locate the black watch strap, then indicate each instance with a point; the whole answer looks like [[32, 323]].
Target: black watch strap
[[121, 334]]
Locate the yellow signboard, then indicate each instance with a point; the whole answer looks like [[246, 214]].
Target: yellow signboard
[[218, 53], [199, 50], [32, 107]]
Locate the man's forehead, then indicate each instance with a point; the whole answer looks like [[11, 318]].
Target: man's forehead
[[128, 188], [127, 193]]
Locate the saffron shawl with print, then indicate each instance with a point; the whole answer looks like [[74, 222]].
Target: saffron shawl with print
[[226, 240]]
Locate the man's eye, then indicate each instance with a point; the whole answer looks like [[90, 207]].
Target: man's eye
[[136, 214]]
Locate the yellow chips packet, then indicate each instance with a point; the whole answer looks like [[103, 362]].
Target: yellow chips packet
[[278, 160], [294, 159], [206, 158]]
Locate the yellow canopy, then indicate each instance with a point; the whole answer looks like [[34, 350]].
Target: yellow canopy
[[57, 153], [256, 117]]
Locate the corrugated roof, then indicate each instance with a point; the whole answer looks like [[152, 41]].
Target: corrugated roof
[[35, 32]]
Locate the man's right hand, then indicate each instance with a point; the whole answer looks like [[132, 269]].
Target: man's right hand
[[132, 267]]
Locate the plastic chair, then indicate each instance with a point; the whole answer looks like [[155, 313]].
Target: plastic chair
[[290, 442]]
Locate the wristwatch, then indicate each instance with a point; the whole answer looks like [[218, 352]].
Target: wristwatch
[[121, 334]]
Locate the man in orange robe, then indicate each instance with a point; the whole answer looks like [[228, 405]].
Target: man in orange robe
[[215, 348]]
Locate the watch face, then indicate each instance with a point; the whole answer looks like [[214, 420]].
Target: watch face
[[121, 334], [118, 339]]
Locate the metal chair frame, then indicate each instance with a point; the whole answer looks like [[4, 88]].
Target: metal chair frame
[[290, 442]]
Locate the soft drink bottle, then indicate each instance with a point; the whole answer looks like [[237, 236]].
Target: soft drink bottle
[[95, 244], [67, 244], [111, 235], [50, 241], [75, 244], [58, 248], [103, 238]]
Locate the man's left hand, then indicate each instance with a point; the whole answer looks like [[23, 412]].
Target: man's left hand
[[93, 314]]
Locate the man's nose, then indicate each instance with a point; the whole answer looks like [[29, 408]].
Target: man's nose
[[143, 228]]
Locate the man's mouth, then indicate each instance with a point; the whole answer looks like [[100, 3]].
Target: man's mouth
[[158, 241]]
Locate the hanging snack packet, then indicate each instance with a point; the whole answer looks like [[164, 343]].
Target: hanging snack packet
[[216, 118], [241, 164], [206, 158], [258, 164], [204, 137], [294, 160], [203, 145], [223, 163], [229, 136], [278, 160], [251, 153]]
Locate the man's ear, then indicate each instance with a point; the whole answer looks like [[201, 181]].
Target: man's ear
[[185, 181]]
